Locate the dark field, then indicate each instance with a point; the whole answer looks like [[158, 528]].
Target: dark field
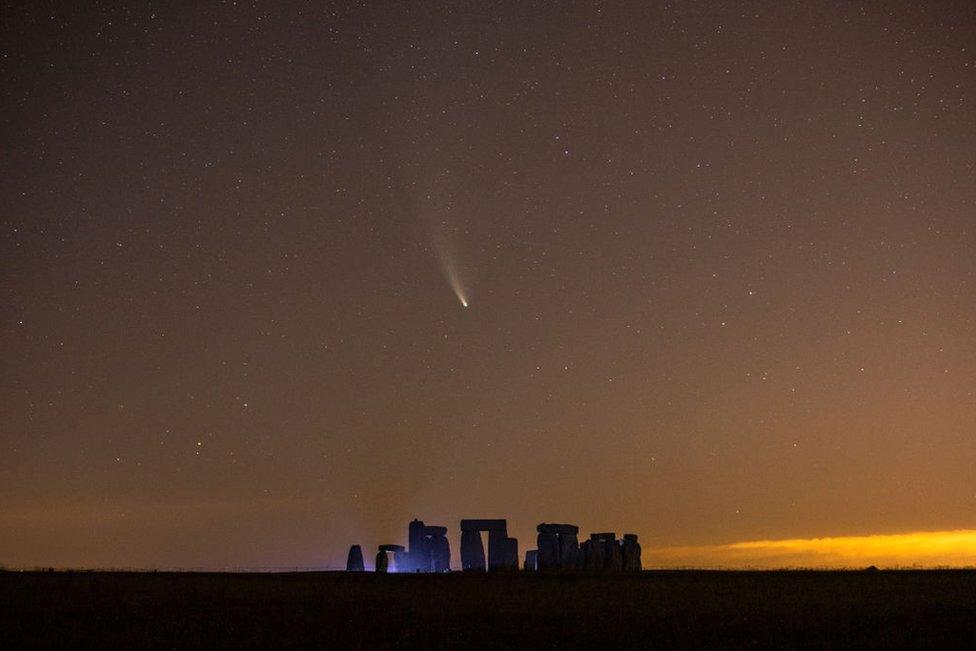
[[920, 609]]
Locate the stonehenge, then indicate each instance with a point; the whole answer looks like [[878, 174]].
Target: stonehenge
[[429, 551], [558, 547], [557, 550], [598, 559], [502, 550]]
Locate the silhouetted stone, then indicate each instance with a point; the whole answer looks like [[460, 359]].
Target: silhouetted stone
[[558, 529], [382, 562], [440, 554], [429, 549], [615, 556], [568, 550], [483, 525], [632, 553], [354, 562], [548, 556], [472, 551], [596, 556], [418, 558], [498, 549], [511, 554], [394, 560], [558, 546], [531, 560], [583, 554]]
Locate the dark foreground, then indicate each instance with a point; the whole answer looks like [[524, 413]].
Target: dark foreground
[[916, 609]]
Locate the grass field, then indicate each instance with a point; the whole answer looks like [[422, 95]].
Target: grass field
[[664, 609]]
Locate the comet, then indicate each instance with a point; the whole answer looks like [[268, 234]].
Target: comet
[[444, 226], [454, 281], [443, 246]]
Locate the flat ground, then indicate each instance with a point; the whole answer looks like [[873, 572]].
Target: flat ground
[[667, 609]]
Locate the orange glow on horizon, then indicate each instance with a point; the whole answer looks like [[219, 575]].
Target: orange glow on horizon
[[916, 549]]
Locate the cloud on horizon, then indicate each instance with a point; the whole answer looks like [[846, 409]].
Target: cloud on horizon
[[955, 548]]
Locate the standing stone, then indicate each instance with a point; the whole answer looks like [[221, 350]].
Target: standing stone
[[585, 560], [581, 555], [440, 554], [632, 553], [548, 544], [472, 551], [394, 562], [382, 562], [597, 559], [615, 557], [511, 554], [531, 560], [418, 559], [497, 547], [568, 551], [354, 562], [558, 546]]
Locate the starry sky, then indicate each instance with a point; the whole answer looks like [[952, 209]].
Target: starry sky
[[719, 260]]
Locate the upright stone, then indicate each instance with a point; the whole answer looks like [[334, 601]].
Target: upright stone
[[497, 549], [354, 562], [440, 554], [581, 556], [615, 557], [392, 563], [382, 562], [568, 551], [418, 559], [597, 559], [426, 563], [472, 551], [632, 553], [548, 545], [531, 560], [511, 554], [585, 560]]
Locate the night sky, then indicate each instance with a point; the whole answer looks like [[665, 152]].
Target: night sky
[[719, 262]]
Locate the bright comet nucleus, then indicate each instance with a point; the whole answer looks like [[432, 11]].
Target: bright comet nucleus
[[456, 286]]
